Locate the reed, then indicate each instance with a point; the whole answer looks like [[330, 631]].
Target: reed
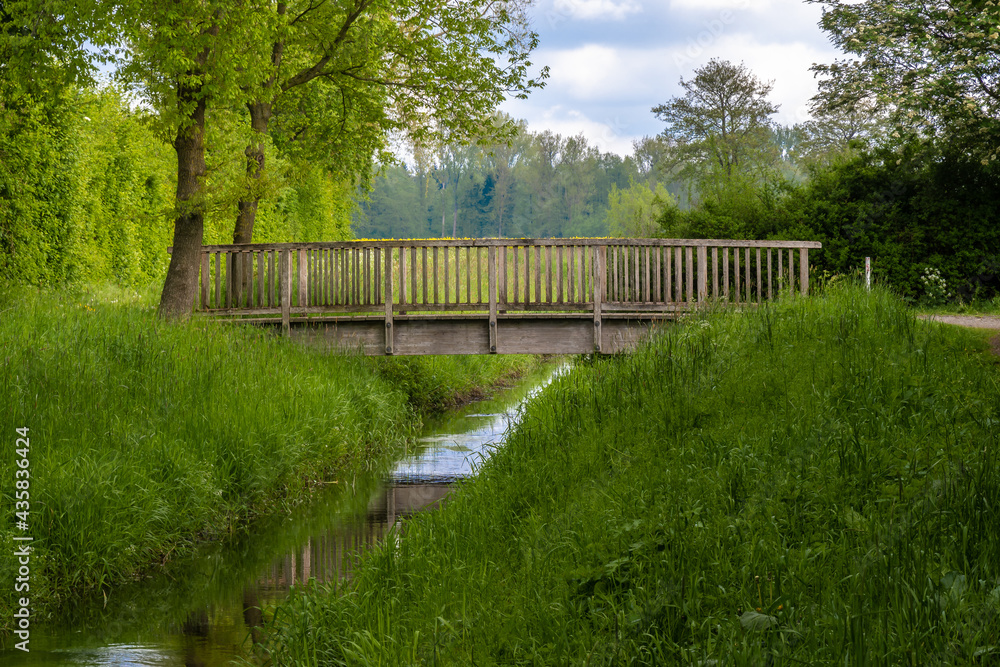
[[810, 482], [146, 437]]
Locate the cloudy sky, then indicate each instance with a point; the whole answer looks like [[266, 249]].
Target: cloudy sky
[[610, 61]]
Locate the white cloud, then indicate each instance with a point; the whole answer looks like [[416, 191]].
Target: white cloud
[[591, 10], [610, 135], [711, 5], [601, 73]]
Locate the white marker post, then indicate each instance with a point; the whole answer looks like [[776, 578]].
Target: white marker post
[[868, 273]]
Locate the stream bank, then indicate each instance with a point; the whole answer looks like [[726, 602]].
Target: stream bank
[[207, 607], [149, 438], [814, 481]]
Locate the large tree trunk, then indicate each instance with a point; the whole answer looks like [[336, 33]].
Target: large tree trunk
[[241, 281], [260, 115], [181, 284]]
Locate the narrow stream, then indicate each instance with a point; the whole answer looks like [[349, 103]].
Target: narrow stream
[[203, 610]]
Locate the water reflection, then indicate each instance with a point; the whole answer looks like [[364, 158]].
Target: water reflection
[[208, 609]]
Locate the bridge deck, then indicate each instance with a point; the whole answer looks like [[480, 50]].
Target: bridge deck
[[484, 296]]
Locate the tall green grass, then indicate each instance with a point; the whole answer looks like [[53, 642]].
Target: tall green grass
[[147, 436], [812, 482]]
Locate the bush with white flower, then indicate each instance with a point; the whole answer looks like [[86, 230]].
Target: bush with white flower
[[936, 291]]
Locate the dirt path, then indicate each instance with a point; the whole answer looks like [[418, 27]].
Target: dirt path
[[973, 321]]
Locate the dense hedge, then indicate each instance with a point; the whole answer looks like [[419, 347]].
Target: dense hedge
[[87, 186], [909, 210]]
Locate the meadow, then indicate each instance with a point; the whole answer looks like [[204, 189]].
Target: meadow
[[148, 437], [812, 482]]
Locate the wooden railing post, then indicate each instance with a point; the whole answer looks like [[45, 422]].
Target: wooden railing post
[[303, 279], [492, 286], [388, 299], [204, 282], [285, 291], [804, 270], [702, 273], [791, 272], [600, 277]]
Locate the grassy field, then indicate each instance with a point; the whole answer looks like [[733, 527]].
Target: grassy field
[[814, 482], [146, 437]]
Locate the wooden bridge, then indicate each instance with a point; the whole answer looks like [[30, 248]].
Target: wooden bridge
[[483, 296]]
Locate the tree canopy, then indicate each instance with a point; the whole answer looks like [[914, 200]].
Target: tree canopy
[[722, 119], [331, 71], [935, 65]]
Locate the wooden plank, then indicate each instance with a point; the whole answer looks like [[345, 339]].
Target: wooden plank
[[229, 280], [322, 276], [434, 253], [527, 275], [781, 275], [423, 268], [402, 278], [759, 286], [502, 276], [636, 294], [715, 273], [319, 277], [468, 275], [218, 280], [613, 287], [791, 272], [746, 274], [573, 285], [337, 276], [414, 292], [261, 273], [492, 288], [658, 273], [205, 277], [702, 273], [458, 277], [285, 290], [646, 295], [376, 276], [690, 273], [725, 274], [368, 276], [559, 270], [446, 282], [803, 270], [736, 275], [303, 278], [333, 279], [538, 274], [668, 276], [548, 274], [388, 296], [479, 275], [770, 294], [451, 243], [517, 278], [270, 279], [343, 272], [678, 275], [310, 276], [581, 287], [600, 265]]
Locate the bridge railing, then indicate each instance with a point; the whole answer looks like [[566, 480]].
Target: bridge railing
[[496, 275]]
